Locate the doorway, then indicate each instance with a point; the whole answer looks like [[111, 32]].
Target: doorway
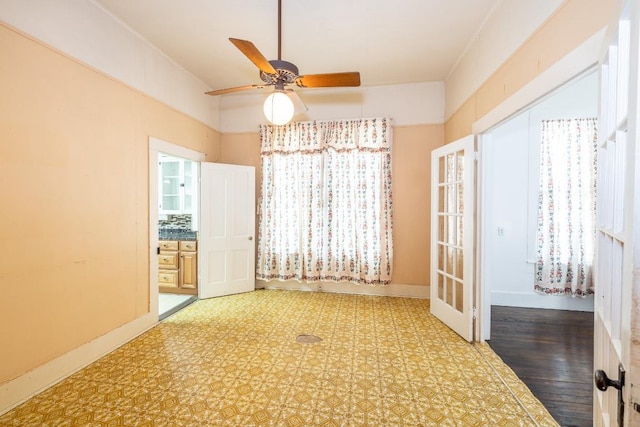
[[511, 176], [222, 261], [178, 225], [173, 218], [547, 340]]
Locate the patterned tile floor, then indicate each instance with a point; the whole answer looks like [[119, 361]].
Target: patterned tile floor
[[234, 361]]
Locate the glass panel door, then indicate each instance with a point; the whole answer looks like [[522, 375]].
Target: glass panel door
[[452, 209]]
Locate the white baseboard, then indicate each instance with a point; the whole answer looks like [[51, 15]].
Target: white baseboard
[[533, 300], [18, 390], [392, 290]]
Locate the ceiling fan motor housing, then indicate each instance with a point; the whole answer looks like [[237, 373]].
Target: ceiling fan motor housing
[[287, 73]]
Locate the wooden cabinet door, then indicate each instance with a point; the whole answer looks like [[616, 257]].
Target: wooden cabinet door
[[189, 270]]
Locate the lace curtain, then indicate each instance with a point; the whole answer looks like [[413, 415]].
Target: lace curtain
[[325, 211], [567, 207]]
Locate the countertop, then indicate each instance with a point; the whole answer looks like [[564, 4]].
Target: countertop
[[177, 234]]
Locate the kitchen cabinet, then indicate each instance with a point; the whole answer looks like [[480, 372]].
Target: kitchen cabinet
[[178, 267], [188, 277], [177, 189]]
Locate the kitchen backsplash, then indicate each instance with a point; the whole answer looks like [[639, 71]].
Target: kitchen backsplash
[[182, 221]]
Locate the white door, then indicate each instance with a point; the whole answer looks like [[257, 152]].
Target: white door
[[226, 255], [452, 234], [617, 328]]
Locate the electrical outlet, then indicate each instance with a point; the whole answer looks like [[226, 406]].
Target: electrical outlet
[[500, 231]]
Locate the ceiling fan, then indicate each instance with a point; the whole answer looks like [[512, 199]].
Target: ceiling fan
[[279, 106]]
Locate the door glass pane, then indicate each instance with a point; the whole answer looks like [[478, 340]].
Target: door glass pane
[[449, 262], [442, 225], [442, 199], [441, 257], [459, 231], [171, 203], [440, 286], [170, 185], [188, 186], [460, 264], [441, 169], [459, 296], [460, 166], [451, 165], [451, 230], [451, 198], [170, 169], [449, 290], [460, 195]]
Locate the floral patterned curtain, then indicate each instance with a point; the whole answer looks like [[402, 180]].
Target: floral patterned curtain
[[567, 207], [325, 211]]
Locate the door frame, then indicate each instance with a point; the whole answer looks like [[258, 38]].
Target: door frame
[[157, 146], [579, 62]]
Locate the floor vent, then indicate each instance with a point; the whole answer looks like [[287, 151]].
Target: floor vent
[[308, 339]]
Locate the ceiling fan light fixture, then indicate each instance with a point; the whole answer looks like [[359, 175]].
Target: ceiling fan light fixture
[[278, 108]]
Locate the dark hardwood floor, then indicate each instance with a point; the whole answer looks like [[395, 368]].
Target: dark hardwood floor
[[552, 352]]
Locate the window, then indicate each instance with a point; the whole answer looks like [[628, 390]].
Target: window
[[326, 203], [567, 207]]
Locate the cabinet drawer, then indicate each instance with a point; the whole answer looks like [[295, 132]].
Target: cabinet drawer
[[188, 245], [168, 245], [168, 260], [168, 278]]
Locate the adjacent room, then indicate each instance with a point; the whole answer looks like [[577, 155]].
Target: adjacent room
[[545, 336], [273, 213]]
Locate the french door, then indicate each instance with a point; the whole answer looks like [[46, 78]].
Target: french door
[[617, 317], [452, 235]]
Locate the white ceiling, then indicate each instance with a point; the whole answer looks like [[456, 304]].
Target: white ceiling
[[389, 42]]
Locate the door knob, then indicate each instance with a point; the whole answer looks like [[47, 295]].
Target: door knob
[[250, 237], [603, 382]]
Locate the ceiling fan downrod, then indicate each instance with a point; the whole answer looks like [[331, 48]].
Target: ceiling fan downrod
[[279, 30]]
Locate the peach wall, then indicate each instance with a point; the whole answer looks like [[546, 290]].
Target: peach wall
[[412, 146], [74, 173], [242, 149], [572, 23]]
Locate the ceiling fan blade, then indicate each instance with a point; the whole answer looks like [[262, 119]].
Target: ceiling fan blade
[[298, 105], [329, 80], [254, 55], [234, 89]]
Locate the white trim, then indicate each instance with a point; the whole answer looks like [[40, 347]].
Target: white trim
[[533, 300], [175, 150], [157, 146], [24, 387], [392, 290], [566, 69], [483, 295], [577, 62]]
